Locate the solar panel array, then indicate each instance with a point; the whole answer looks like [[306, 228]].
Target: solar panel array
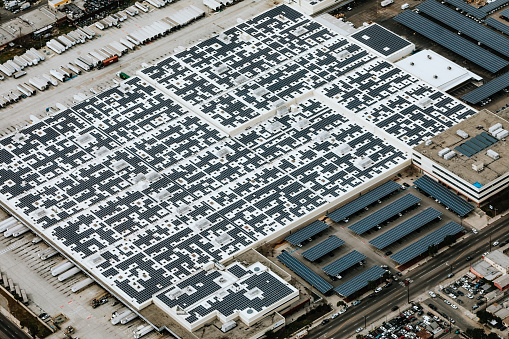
[[384, 213], [228, 292], [405, 228], [498, 25], [422, 245], [145, 183], [380, 39], [505, 13], [477, 13], [466, 26], [476, 144], [451, 41], [304, 272], [360, 281], [494, 5], [344, 263], [363, 201], [487, 90], [446, 197], [307, 232], [323, 248]]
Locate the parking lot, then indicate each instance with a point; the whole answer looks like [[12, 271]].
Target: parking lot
[[361, 243], [20, 262]]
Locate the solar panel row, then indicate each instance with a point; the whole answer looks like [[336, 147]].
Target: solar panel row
[[304, 272], [364, 200], [421, 246], [451, 41], [485, 91], [384, 213], [343, 263], [360, 281], [405, 228], [307, 232], [466, 26], [499, 26], [326, 246], [493, 6], [475, 12], [475, 145], [449, 199]]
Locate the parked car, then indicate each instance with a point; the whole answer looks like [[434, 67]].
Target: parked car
[[359, 329], [378, 290], [447, 302], [325, 321], [334, 316], [496, 243], [469, 258], [394, 308], [356, 302], [432, 294], [388, 253], [44, 316]]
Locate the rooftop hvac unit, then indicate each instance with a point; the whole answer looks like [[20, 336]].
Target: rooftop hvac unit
[[501, 134], [228, 325], [299, 31], [245, 36], [202, 224], [428, 142], [85, 139], [323, 135], [241, 79], [492, 154], [153, 176], [450, 155], [220, 69], [343, 54], [443, 152], [275, 126], [278, 103], [224, 38], [174, 293], [462, 133], [424, 102], [224, 152], [364, 163], [282, 110], [163, 195], [478, 166], [259, 92], [120, 165], [302, 123], [342, 149], [495, 127]]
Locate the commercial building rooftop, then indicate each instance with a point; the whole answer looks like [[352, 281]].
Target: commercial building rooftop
[[489, 169]]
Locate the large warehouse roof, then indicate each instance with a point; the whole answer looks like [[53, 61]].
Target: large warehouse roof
[[149, 182]]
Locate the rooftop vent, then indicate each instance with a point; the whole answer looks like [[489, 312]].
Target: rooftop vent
[[462, 133], [492, 154], [478, 166], [443, 152]]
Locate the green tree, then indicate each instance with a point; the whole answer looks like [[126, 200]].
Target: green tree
[[449, 240], [476, 333], [432, 250], [340, 303], [492, 336]]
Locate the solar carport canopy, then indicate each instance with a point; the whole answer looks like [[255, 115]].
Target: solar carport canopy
[[405, 228], [487, 90], [326, 246], [451, 41], [421, 246], [499, 26], [442, 194], [343, 263], [363, 201], [360, 281], [304, 272], [384, 213], [307, 232], [466, 26], [475, 12]]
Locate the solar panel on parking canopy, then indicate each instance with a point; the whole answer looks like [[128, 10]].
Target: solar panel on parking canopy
[[304, 272], [493, 6], [466, 26], [451, 41], [448, 198], [364, 200], [405, 228], [326, 246], [307, 232], [475, 12], [421, 246], [384, 213], [485, 91], [360, 281], [343, 263]]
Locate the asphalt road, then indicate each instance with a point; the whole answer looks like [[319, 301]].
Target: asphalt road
[[424, 278], [10, 331]]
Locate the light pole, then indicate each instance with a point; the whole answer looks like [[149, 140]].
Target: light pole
[[364, 321]]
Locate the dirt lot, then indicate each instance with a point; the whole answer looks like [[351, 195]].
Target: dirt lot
[[370, 10]]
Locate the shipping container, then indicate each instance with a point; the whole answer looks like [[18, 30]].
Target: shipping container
[[19, 74]]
